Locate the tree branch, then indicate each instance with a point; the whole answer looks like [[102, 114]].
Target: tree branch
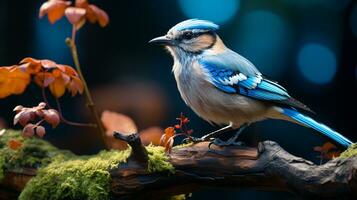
[[267, 167]]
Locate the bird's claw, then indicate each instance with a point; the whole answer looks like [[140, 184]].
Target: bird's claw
[[192, 139]]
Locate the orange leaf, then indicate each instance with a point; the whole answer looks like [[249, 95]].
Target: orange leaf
[[14, 144], [169, 132], [40, 131], [325, 148], [52, 117], [113, 121], [28, 130], [75, 86], [76, 16], [57, 87], [96, 14], [44, 79], [81, 3], [169, 144], [13, 80], [331, 155], [54, 9], [151, 135], [48, 64]]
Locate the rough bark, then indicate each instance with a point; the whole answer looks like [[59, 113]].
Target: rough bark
[[267, 167]]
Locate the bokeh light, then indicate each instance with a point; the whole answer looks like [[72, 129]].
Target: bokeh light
[[264, 38], [217, 11], [317, 63], [353, 20]]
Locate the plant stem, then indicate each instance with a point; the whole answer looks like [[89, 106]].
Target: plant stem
[[64, 120], [71, 44]]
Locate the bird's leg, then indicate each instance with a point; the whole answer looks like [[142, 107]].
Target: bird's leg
[[210, 136], [214, 134], [230, 141]]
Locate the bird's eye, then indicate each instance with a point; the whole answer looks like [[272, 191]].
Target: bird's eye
[[187, 35]]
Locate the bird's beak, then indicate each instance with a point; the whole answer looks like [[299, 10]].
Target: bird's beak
[[162, 40]]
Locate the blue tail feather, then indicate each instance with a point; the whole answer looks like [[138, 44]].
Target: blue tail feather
[[307, 121]]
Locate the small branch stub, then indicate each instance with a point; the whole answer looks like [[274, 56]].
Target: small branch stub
[[138, 155]]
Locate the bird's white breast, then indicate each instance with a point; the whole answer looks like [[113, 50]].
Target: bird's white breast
[[211, 103]]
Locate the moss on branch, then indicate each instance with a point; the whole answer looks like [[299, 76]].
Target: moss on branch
[[63, 175]]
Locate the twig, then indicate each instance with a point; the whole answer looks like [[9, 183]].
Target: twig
[[64, 120], [71, 44]]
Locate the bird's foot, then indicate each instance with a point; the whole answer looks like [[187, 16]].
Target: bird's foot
[[230, 142], [192, 139]]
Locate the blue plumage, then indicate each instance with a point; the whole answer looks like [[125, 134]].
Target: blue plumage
[[307, 121], [241, 94], [195, 24], [254, 86]]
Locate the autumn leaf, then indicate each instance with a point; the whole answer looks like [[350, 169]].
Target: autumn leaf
[[54, 9], [52, 117], [168, 133], [28, 130], [25, 116], [13, 81], [76, 16], [57, 87], [95, 14], [57, 77], [328, 151], [40, 131], [14, 144], [75, 86], [151, 135], [113, 121]]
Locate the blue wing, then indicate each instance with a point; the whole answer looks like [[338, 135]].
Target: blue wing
[[244, 79]]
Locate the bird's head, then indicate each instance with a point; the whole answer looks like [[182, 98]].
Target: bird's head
[[192, 36]]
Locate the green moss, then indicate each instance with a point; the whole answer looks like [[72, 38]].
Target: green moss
[[34, 152], [351, 151], [80, 177], [178, 197], [158, 161], [63, 175]]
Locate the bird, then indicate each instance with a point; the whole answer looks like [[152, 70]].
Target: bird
[[224, 88]]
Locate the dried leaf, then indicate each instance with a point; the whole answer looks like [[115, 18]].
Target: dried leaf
[[96, 14], [76, 16], [57, 87], [151, 135], [75, 86], [169, 132], [52, 117], [28, 130], [18, 108], [169, 144], [40, 131], [14, 144], [81, 3], [113, 121], [13, 81], [328, 151], [54, 9], [48, 64], [325, 148], [24, 116]]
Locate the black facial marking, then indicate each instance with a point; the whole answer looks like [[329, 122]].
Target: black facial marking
[[187, 35]]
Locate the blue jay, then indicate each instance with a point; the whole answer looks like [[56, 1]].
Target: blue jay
[[224, 88]]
